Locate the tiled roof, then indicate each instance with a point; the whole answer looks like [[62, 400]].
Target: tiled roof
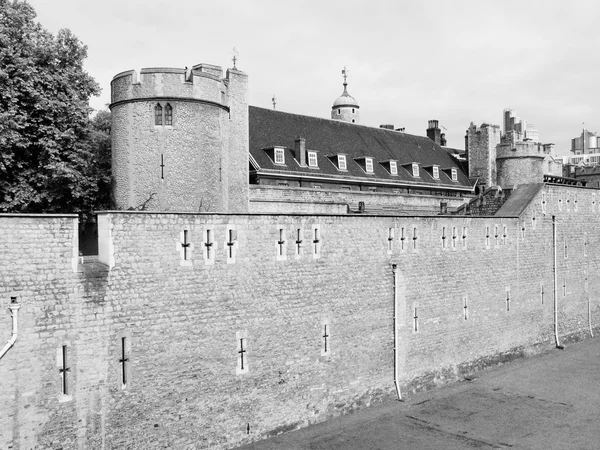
[[269, 128]]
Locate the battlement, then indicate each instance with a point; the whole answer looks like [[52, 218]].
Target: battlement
[[520, 149], [201, 82]]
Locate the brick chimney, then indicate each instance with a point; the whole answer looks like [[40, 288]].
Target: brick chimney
[[434, 133], [300, 151]]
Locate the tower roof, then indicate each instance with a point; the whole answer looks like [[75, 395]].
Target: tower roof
[[345, 99]]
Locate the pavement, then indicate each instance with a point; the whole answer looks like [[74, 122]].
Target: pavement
[[548, 401]]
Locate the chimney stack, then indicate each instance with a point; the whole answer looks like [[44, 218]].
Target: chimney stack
[[434, 133], [300, 151]]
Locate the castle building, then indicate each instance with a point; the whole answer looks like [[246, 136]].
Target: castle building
[[219, 312]]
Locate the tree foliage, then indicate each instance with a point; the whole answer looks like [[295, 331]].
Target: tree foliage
[[51, 153]]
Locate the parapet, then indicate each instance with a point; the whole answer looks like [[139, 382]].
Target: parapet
[[201, 82], [520, 149]]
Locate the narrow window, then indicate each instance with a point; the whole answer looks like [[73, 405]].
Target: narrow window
[[158, 115], [353, 120], [454, 237], [593, 202], [231, 244], [566, 249], [465, 309], [162, 167], [464, 237], [208, 244], [242, 356], [352, 110], [454, 175], [487, 237], [523, 231], [565, 287], [585, 245], [185, 246], [443, 237], [560, 201], [369, 165], [533, 219], [575, 202], [496, 235], [542, 293], [298, 242], [339, 111], [281, 245], [316, 242], [543, 203], [279, 156], [414, 238], [436, 172], [168, 115], [504, 234], [124, 359], [326, 348], [402, 238], [416, 320], [390, 239], [64, 370], [342, 162], [312, 159], [508, 300], [393, 168], [415, 170]]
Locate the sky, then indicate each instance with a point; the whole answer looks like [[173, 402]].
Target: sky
[[458, 61]]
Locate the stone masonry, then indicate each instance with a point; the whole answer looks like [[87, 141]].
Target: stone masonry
[[209, 330]]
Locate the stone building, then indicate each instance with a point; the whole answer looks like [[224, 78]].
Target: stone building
[[210, 320]]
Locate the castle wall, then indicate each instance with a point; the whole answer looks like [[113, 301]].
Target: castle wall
[[183, 314], [286, 200]]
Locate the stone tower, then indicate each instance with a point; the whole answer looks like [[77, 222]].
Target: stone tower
[[481, 148], [519, 162], [345, 107], [180, 139]]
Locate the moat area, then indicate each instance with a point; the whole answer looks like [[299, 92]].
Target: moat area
[[549, 401]]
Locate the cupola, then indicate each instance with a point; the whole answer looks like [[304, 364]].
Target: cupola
[[345, 107]]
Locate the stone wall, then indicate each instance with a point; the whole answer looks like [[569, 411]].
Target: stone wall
[[287, 200], [471, 291], [481, 143]]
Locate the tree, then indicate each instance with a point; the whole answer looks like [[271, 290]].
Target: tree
[[48, 162]]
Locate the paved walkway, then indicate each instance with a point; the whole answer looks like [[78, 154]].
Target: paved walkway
[[550, 401]]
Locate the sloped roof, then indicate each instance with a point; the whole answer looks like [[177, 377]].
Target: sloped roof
[[270, 128]]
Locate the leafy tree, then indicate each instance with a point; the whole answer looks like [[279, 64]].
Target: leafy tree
[[52, 156]]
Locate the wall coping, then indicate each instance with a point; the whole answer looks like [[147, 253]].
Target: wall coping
[[40, 215]]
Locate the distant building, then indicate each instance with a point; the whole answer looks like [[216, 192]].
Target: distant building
[[525, 130]]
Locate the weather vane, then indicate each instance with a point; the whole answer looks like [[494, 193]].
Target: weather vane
[[274, 100], [345, 74], [236, 55]]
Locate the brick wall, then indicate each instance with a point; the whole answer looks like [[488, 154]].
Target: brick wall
[[183, 312]]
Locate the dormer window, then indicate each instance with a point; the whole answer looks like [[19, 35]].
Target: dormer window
[[393, 168], [454, 175], [279, 156], [312, 159], [369, 165], [415, 170], [436, 172], [342, 162]]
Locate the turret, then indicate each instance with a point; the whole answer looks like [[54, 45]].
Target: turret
[[180, 139], [345, 107], [481, 145]]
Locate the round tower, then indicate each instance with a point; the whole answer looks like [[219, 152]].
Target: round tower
[[519, 162], [345, 107], [180, 139]]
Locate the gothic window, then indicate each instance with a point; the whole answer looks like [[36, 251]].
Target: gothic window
[[158, 115], [168, 115]]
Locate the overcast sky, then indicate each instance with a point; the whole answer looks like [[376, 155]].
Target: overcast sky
[[455, 61]]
